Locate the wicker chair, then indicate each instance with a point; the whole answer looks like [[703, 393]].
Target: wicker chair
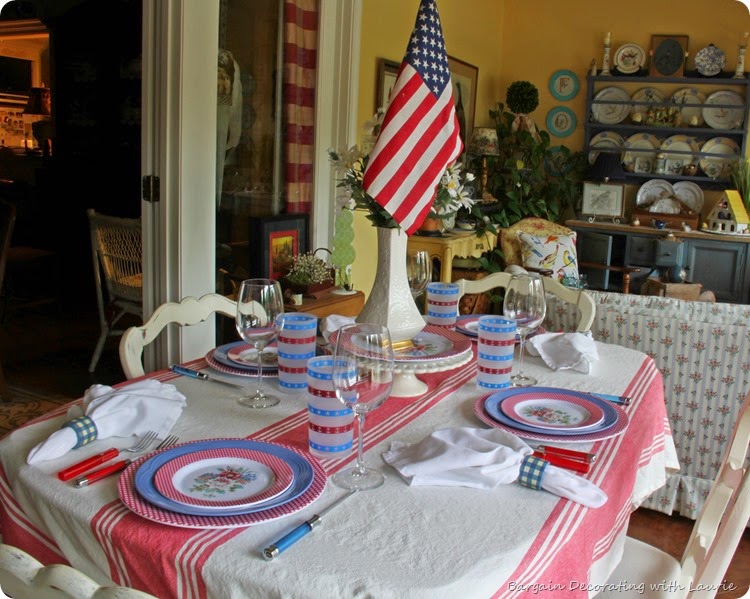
[[118, 272]]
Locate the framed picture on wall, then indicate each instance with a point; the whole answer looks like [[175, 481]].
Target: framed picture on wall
[[387, 73], [668, 55], [277, 239], [464, 77], [602, 199]]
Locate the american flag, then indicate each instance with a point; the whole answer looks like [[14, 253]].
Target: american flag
[[420, 135]]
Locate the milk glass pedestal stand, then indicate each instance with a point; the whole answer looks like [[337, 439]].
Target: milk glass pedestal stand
[[405, 381]]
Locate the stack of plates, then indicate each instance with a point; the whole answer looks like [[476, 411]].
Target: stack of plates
[[469, 326], [549, 414], [239, 358], [221, 483]]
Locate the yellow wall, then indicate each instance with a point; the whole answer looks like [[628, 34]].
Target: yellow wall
[[510, 40]]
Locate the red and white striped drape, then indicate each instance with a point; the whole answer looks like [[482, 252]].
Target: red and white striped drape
[[300, 56]]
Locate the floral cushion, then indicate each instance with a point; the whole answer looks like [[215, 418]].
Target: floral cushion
[[555, 252]]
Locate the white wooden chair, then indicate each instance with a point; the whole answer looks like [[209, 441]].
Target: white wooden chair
[[713, 541], [189, 311], [577, 297], [23, 577]]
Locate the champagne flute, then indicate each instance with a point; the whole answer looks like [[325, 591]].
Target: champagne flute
[[525, 302], [259, 303], [418, 271], [362, 378]]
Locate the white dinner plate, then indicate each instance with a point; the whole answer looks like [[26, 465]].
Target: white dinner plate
[[640, 153], [679, 151], [608, 140], [629, 58], [225, 477], [692, 104], [606, 107], [653, 190], [646, 96], [724, 116], [718, 155], [690, 194]]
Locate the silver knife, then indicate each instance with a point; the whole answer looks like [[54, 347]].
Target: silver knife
[[197, 374]]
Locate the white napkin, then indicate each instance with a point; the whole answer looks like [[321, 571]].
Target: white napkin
[[564, 350], [131, 410], [333, 323], [481, 459]]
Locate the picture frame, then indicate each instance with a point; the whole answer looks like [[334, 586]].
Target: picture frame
[[602, 199], [387, 74], [464, 78], [277, 240], [564, 85], [668, 55]]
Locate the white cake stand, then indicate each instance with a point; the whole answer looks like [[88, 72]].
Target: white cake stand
[[405, 381]]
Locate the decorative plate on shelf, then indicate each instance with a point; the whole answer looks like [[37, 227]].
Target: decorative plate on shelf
[[723, 116], [653, 190], [561, 121], [679, 150], [640, 153], [605, 140], [563, 85], [710, 61], [691, 101], [606, 107], [718, 155], [690, 194], [645, 96], [629, 58]]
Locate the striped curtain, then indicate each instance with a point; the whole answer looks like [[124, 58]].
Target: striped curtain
[[300, 53]]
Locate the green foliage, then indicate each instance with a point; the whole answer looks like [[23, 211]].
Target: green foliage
[[741, 179], [522, 97]]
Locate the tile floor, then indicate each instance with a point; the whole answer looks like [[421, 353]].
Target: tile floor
[[48, 348]]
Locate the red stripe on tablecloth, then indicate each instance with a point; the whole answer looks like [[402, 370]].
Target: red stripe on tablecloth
[[19, 531], [568, 530], [115, 527]]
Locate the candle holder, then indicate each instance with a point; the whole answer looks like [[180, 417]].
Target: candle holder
[[605, 59], [739, 72]]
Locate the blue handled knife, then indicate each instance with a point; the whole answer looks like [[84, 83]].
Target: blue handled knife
[[197, 374], [295, 535]]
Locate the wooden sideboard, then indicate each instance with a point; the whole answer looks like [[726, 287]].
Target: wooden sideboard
[[721, 263]]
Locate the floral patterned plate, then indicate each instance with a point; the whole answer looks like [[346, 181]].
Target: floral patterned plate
[[223, 477], [553, 410]]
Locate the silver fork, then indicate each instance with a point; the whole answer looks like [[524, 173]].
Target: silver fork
[[167, 442], [143, 443]]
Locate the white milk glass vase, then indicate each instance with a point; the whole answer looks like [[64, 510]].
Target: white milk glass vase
[[390, 302]]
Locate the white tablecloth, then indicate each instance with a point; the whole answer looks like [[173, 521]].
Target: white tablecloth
[[396, 541]]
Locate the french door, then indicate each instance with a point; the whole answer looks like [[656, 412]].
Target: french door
[[180, 45]]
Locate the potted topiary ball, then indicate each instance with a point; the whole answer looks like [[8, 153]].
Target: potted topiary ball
[[522, 98]]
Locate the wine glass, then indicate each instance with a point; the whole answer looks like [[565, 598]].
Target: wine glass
[[418, 271], [362, 379], [525, 302], [259, 303]]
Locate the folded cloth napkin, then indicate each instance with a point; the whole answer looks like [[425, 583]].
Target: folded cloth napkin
[[333, 323], [131, 410], [564, 350], [485, 459]]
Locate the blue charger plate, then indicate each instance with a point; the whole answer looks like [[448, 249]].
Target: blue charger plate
[[144, 478]]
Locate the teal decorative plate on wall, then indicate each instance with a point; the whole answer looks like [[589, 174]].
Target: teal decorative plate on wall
[[561, 121]]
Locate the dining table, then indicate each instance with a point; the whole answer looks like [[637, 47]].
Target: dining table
[[395, 541]]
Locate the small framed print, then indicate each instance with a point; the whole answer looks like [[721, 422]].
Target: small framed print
[[668, 55], [564, 85], [387, 74], [602, 199], [278, 240]]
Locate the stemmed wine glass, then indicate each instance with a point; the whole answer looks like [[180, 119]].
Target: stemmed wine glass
[[362, 379], [525, 302], [259, 303], [418, 271]]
